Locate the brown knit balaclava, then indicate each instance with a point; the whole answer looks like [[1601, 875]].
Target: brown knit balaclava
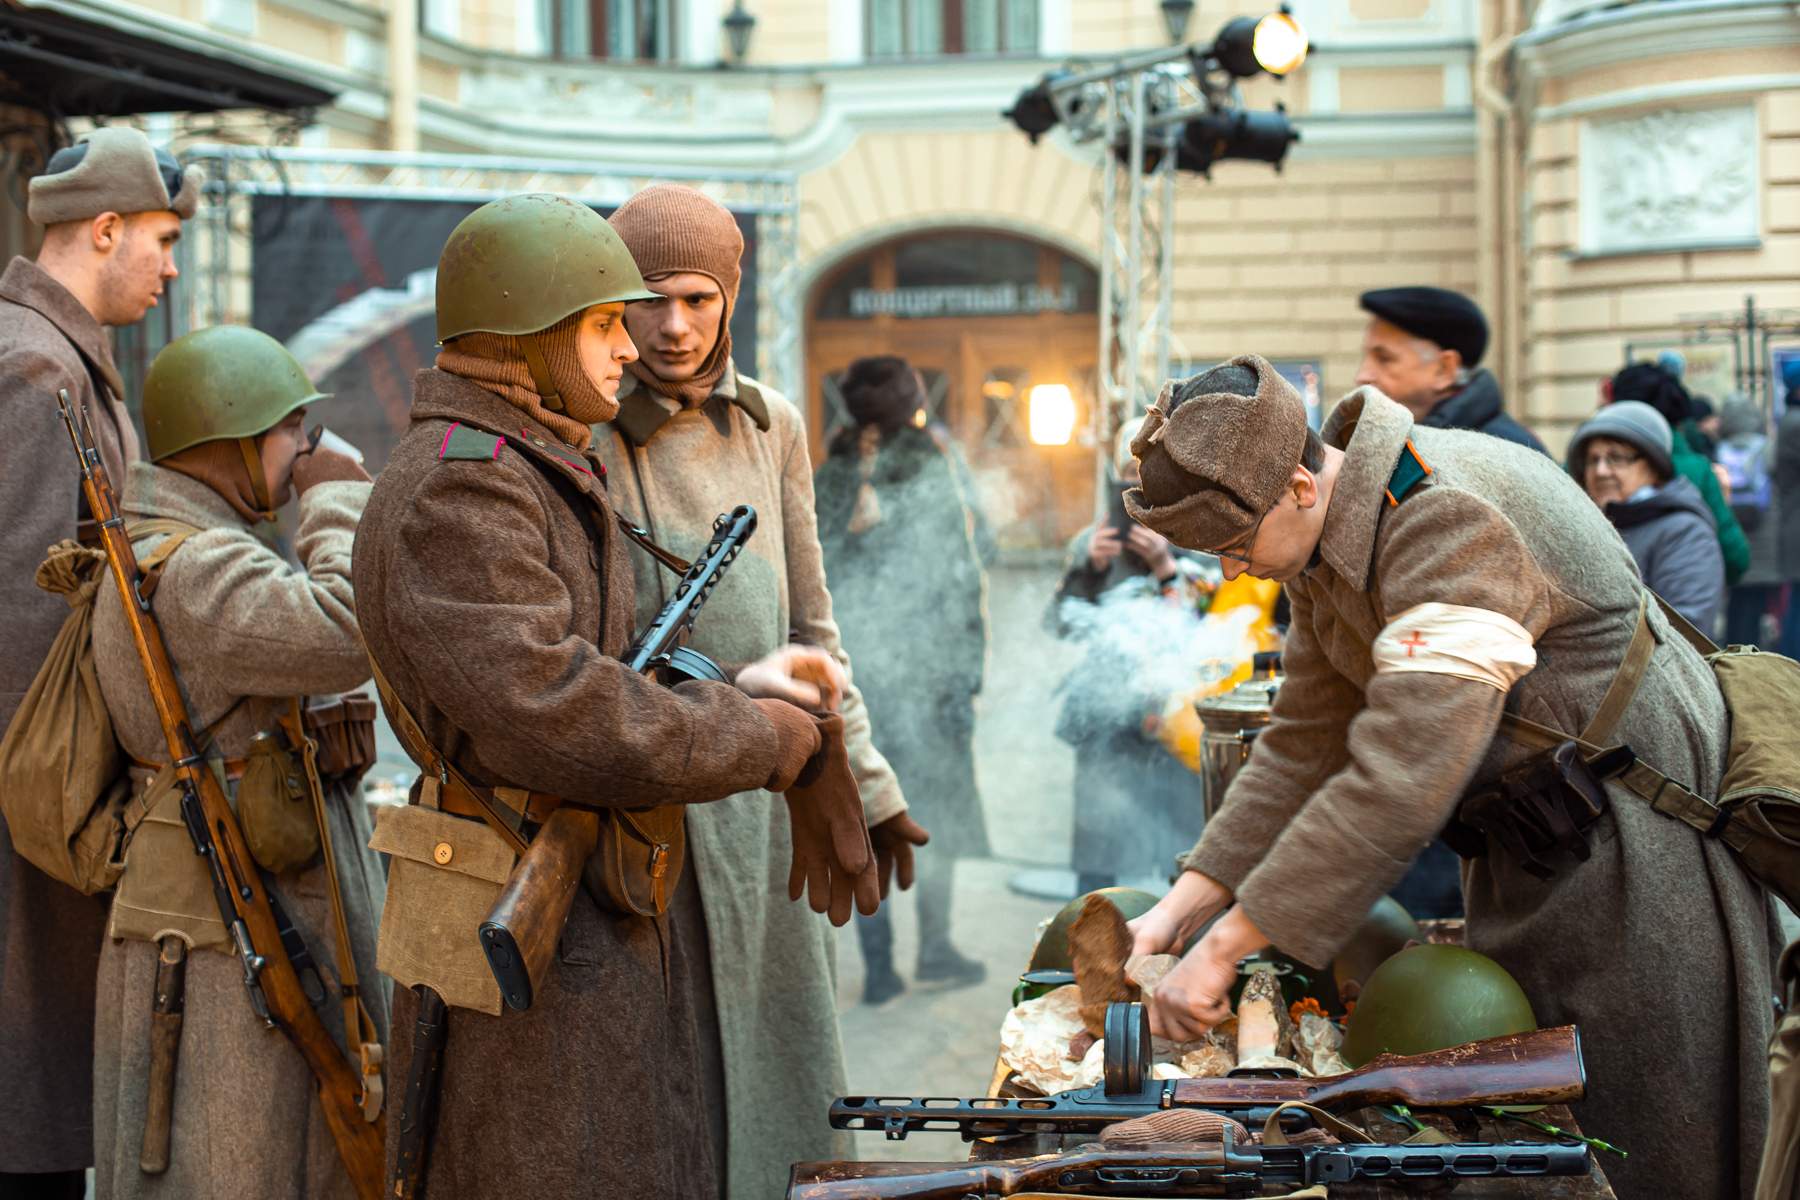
[[224, 465], [672, 229], [497, 362]]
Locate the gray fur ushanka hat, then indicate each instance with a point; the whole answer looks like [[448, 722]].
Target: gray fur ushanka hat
[[1212, 464], [115, 169]]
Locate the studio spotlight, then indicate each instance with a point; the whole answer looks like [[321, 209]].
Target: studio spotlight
[[1235, 133], [1248, 46], [1034, 112]]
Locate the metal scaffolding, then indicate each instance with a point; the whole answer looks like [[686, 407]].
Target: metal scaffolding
[[215, 257]]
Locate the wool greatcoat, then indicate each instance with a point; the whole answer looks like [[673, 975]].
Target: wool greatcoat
[[49, 933], [765, 965], [499, 622], [238, 621], [1659, 946]]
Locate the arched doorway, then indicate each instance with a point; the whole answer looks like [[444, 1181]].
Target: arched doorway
[[986, 317]]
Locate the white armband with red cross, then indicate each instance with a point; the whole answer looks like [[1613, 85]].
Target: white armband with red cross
[[1454, 639]]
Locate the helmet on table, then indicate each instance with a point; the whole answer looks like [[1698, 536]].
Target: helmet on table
[[1052, 951], [1430, 998]]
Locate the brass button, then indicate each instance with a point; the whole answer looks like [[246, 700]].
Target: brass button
[[443, 854], [538, 442]]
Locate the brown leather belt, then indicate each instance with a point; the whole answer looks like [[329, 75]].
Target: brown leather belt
[[234, 767], [454, 798]]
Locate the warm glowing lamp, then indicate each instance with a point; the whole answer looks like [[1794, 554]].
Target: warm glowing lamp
[[1280, 43], [1052, 414]]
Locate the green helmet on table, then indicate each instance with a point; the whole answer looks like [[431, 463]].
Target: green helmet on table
[[520, 265], [225, 381], [1431, 998], [1052, 953]]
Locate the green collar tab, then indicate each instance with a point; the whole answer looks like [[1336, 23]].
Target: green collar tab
[[1407, 474], [465, 441]]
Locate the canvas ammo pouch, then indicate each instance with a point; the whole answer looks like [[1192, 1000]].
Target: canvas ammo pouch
[[344, 732]]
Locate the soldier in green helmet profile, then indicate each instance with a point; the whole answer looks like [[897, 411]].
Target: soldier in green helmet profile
[[495, 594], [261, 648]]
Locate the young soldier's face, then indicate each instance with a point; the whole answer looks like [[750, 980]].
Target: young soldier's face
[[139, 258], [1282, 542], [677, 333], [605, 347]]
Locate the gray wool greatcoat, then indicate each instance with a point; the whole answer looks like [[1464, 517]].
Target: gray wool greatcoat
[[49, 933], [1658, 947], [238, 621], [498, 623]]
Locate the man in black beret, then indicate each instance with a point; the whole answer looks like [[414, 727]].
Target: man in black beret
[[1422, 348]]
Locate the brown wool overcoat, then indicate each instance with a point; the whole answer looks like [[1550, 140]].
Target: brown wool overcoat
[[498, 624], [49, 933], [238, 621], [1658, 947]]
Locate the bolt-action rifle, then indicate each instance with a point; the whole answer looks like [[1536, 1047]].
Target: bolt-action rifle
[[1171, 1170], [1542, 1066], [269, 976]]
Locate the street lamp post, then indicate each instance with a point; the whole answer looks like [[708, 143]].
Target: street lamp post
[[738, 27]]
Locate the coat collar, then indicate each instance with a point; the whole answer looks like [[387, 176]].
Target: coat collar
[[642, 413], [1471, 407], [439, 395], [1372, 431], [153, 491], [27, 284]]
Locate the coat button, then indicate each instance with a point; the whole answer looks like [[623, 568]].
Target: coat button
[[538, 442], [443, 854]]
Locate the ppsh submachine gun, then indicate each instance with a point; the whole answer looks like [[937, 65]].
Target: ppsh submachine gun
[[349, 1093], [1535, 1068], [520, 933]]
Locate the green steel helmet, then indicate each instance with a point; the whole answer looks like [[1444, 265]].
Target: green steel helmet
[[225, 381], [522, 264], [1052, 951], [1431, 998], [1384, 933]]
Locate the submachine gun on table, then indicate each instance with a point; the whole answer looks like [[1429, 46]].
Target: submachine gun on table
[[348, 1093], [1539, 1067], [521, 931]]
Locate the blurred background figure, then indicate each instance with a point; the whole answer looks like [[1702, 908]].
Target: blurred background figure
[[1135, 802], [1748, 458], [1659, 385], [1622, 458], [899, 535], [1787, 495]]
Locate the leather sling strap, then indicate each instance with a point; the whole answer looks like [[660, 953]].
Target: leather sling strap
[[540, 372], [1625, 682], [152, 563], [453, 791], [360, 1030]]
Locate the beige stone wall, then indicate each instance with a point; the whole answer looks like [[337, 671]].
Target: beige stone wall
[[1582, 311]]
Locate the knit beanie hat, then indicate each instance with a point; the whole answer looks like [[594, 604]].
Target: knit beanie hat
[[1632, 422], [112, 169], [497, 362], [1216, 452], [882, 390], [673, 229], [1739, 416]]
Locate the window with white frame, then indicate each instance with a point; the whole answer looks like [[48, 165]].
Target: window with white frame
[[620, 30], [930, 28], [442, 18]]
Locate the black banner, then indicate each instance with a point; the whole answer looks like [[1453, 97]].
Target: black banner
[[341, 281]]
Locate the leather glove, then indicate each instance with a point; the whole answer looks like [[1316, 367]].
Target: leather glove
[[326, 466], [834, 862], [800, 741], [894, 840]]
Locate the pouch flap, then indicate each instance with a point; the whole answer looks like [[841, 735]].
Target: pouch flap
[[440, 839], [353, 706]]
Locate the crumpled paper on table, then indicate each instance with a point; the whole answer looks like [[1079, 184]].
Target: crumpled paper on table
[[1034, 1041], [1318, 1043]]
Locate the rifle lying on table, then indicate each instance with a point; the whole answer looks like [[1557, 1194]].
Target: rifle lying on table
[[1540, 1067], [1192, 1170], [359, 1129], [521, 931]]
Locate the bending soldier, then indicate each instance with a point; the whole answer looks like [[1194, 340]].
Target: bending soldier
[[692, 438], [258, 646], [495, 593], [111, 207], [1441, 579]]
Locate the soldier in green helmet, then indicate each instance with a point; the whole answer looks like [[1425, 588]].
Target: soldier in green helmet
[[260, 646], [495, 594]]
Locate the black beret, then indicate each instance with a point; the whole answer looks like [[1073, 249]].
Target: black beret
[[1436, 314]]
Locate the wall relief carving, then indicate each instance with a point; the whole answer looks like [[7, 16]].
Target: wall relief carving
[[1670, 179]]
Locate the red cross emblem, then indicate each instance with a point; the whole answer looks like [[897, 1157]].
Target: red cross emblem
[[1412, 643]]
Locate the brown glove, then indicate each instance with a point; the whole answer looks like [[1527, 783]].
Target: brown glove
[[834, 862], [894, 840], [326, 466], [800, 741]]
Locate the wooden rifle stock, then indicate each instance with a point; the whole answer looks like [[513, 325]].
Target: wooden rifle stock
[[165, 1050], [1541, 1066], [521, 932], [269, 976]]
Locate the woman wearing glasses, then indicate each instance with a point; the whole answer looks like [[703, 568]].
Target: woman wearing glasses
[[1622, 457]]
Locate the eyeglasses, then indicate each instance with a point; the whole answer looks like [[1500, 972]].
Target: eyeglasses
[[1248, 543], [1614, 461]]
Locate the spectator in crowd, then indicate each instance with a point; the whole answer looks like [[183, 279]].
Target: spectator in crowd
[[1748, 456], [1422, 349], [899, 535], [1702, 426], [1622, 457], [1656, 386], [1787, 491], [1135, 803]]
